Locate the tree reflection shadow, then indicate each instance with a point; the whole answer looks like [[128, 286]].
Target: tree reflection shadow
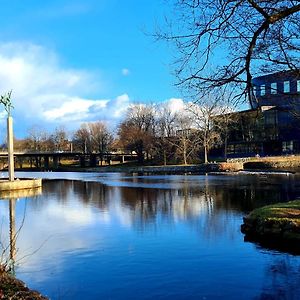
[[211, 199], [282, 279]]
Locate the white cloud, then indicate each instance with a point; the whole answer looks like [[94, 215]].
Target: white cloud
[[125, 72], [45, 91], [120, 105], [176, 104], [74, 109]]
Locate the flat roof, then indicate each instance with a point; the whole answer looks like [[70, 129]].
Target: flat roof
[[277, 74]]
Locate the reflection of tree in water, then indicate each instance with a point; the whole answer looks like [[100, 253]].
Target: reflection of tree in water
[[208, 204], [282, 279], [12, 229], [9, 249], [86, 192], [246, 195], [208, 207], [153, 207], [144, 204]]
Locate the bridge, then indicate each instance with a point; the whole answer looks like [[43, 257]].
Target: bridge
[[51, 160]]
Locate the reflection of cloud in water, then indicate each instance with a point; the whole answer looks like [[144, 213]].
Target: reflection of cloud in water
[[53, 233], [77, 216], [65, 221]]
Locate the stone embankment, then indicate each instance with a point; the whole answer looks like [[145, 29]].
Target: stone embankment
[[279, 223], [284, 163], [169, 169]]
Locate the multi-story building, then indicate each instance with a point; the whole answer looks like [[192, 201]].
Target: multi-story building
[[272, 126]]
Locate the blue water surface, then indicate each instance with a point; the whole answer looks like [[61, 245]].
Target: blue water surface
[[120, 236]]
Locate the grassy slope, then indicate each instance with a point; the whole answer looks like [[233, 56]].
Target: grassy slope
[[289, 211]]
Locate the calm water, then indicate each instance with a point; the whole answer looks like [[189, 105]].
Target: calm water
[[117, 236]]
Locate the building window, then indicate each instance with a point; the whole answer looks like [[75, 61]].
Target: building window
[[274, 88], [298, 85], [262, 90], [286, 86]]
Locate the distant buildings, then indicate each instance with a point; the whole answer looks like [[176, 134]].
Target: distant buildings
[[272, 126]]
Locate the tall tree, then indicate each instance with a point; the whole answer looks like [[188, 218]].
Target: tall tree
[[101, 138], [212, 117], [228, 42], [60, 139], [82, 139], [165, 130], [186, 140], [137, 131], [38, 139]]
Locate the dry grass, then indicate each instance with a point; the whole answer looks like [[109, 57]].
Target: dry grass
[[14, 289]]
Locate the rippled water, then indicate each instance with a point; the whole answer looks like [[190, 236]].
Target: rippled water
[[118, 236]]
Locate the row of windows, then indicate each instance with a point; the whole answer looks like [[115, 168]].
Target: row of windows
[[274, 89]]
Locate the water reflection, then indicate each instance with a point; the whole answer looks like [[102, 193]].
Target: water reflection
[[282, 277], [149, 237], [185, 200], [12, 230], [13, 196]]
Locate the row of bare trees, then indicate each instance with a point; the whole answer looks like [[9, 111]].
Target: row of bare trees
[[160, 132], [93, 137], [90, 137], [176, 135]]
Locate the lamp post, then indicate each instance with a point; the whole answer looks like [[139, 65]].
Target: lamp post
[[6, 101]]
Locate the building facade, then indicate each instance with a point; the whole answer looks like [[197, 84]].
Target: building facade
[[272, 126]]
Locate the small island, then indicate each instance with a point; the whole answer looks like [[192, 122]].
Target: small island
[[279, 223]]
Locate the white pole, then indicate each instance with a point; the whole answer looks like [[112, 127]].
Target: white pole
[[10, 146]]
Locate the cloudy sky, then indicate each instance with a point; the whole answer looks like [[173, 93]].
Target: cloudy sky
[[70, 61]]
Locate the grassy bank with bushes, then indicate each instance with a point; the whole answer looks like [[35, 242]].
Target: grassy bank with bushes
[[278, 223]]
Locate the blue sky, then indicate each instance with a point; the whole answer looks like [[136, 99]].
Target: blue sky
[[71, 61]]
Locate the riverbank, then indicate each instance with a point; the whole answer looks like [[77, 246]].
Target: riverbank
[[153, 169], [279, 223], [12, 288], [289, 163]]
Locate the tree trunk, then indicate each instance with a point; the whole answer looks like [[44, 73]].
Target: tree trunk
[[140, 156], [205, 154], [225, 148], [184, 157]]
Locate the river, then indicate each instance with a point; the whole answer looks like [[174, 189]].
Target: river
[[120, 236]]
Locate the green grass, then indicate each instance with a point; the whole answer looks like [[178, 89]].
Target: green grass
[[289, 211]]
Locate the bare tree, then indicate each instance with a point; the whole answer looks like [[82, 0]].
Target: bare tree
[[186, 140], [212, 116], [82, 139], [101, 138], [228, 42], [209, 132], [38, 139], [165, 130], [137, 131], [60, 139]]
